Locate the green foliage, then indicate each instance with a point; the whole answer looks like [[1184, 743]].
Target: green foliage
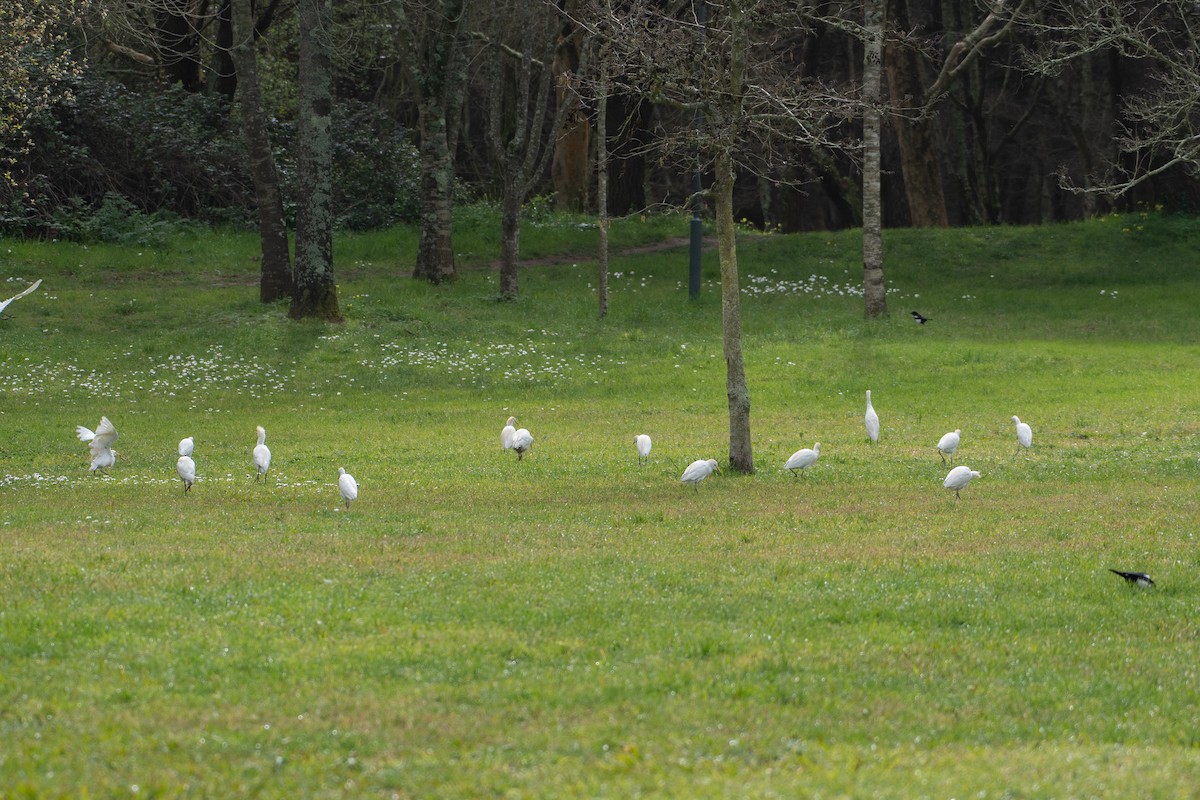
[[572, 625]]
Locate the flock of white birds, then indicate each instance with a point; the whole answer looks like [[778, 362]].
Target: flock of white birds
[[520, 440]]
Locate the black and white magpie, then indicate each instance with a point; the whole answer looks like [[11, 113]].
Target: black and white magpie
[[1139, 578], [920, 319]]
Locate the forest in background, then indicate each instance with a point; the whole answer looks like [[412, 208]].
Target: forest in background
[[121, 107]]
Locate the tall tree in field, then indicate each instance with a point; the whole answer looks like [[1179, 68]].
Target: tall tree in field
[[316, 291], [515, 75], [275, 280], [434, 61], [874, 292], [732, 69]]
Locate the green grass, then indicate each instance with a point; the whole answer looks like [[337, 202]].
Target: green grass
[[572, 625]]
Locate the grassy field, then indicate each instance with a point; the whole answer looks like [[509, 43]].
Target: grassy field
[[572, 625]]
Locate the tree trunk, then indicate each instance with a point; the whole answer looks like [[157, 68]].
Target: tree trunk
[[275, 281], [510, 242], [179, 44], [570, 168], [435, 251], [741, 453], [316, 289], [222, 75], [602, 182], [874, 294]]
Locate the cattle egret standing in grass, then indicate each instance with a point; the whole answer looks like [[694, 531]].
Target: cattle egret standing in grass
[[19, 295], [803, 459], [958, 479], [871, 420], [507, 433], [949, 443], [643, 447], [1024, 435], [347, 486], [262, 453], [521, 442], [698, 471], [100, 443], [185, 466]]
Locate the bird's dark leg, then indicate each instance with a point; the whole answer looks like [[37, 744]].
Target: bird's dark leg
[[943, 455]]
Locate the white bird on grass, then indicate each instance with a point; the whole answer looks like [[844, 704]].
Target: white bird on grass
[[347, 486], [958, 478], [643, 447], [100, 443], [871, 420], [262, 453], [1024, 435], [948, 444], [521, 442], [5, 304], [698, 471], [507, 433], [185, 466], [802, 459]]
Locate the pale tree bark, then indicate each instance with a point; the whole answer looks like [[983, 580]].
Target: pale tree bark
[[275, 277], [435, 66], [874, 292], [316, 290], [602, 181]]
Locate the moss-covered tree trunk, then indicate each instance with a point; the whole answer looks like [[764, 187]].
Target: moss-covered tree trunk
[[741, 453], [438, 72], [510, 242], [275, 278], [316, 289], [874, 292]]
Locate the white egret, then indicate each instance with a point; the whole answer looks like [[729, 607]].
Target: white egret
[[507, 433], [948, 444], [4, 304], [262, 453], [185, 466], [871, 420], [643, 447], [100, 443], [1136, 578], [698, 471], [802, 459], [522, 441], [1024, 435], [347, 486], [958, 478]]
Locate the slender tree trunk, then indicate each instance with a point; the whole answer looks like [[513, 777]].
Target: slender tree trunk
[[570, 168], [222, 75], [275, 280], [510, 242], [179, 44], [316, 289], [435, 251], [874, 293], [602, 182], [741, 453]]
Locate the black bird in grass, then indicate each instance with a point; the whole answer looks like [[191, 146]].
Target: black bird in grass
[[920, 319], [1138, 578]]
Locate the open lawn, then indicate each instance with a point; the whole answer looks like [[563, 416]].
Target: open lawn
[[572, 625]]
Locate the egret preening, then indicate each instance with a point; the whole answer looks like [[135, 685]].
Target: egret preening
[[948, 444], [262, 454], [1136, 578], [185, 466], [698, 471], [507, 433], [100, 443], [643, 447], [1024, 435], [522, 440], [4, 304], [958, 479], [871, 420], [802, 459], [920, 320], [347, 486]]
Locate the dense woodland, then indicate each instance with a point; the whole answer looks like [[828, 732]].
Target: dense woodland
[[142, 112]]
